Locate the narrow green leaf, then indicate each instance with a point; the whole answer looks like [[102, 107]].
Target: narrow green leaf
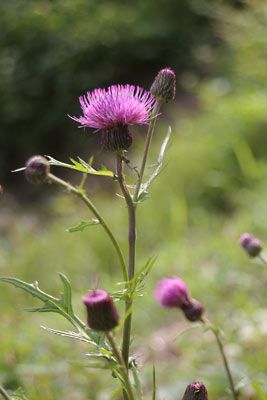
[[143, 194], [137, 382], [138, 280], [73, 335], [67, 294], [82, 225], [81, 166]]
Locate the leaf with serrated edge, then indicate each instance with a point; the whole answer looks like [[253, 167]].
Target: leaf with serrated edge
[[81, 166], [62, 305]]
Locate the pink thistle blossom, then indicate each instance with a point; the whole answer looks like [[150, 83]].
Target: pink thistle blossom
[[112, 110], [102, 314], [172, 293]]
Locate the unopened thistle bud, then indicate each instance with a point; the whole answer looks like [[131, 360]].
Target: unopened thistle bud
[[117, 137], [193, 310], [102, 314], [250, 244], [37, 169], [164, 85], [172, 293], [195, 391]]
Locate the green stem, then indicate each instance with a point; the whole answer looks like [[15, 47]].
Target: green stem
[[131, 257], [4, 393], [123, 369], [80, 193], [216, 333], [147, 146]]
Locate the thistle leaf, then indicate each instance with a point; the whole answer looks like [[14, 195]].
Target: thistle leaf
[[82, 225], [143, 194], [61, 305], [81, 166]]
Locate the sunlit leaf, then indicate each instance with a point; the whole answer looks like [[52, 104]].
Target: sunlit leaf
[[143, 193], [81, 166]]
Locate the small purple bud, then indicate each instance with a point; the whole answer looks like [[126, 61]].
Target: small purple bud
[[164, 85], [250, 244], [172, 293], [37, 169], [193, 310], [102, 314], [195, 391]]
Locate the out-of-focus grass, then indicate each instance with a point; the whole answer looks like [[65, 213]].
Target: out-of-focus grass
[[212, 189]]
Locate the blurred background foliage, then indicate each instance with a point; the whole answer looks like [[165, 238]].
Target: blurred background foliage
[[212, 189], [53, 51]]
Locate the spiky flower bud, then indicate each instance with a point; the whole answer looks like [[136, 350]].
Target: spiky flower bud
[[193, 310], [102, 314], [37, 169], [250, 244], [164, 86], [172, 293], [195, 391]]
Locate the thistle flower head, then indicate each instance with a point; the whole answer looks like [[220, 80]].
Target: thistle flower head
[[112, 110], [172, 293], [195, 391], [250, 244], [164, 85], [37, 169], [102, 314]]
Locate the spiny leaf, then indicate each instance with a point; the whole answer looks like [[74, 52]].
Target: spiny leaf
[[69, 334], [82, 225], [143, 194], [81, 166], [138, 279], [60, 305]]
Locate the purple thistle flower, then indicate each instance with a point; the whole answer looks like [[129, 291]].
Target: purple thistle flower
[[250, 244], [112, 110], [102, 314], [195, 391], [172, 293]]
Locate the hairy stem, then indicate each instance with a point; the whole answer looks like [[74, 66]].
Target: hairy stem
[[82, 195], [4, 393], [216, 333], [123, 369], [131, 257], [147, 146]]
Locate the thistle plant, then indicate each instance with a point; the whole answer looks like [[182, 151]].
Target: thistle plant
[[111, 112]]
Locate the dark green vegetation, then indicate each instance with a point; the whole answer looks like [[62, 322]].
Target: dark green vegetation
[[212, 190]]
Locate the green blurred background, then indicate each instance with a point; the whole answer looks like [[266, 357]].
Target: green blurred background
[[212, 189]]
